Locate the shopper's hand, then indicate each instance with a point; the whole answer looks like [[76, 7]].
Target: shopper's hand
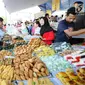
[[44, 38], [41, 37], [70, 29]]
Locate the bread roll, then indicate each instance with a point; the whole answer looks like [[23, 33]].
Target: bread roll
[[81, 76], [79, 82], [73, 77], [82, 70], [71, 83], [66, 79], [69, 71], [62, 74], [35, 80]]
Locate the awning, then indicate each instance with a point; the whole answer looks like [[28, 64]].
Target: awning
[[65, 4], [46, 6], [16, 5]]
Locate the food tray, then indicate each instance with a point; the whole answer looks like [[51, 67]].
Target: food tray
[[55, 81]]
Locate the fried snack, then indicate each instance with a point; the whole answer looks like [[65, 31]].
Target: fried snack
[[62, 75], [73, 77], [69, 71], [82, 70], [26, 69], [79, 82], [45, 81], [4, 53], [81, 75], [76, 79], [35, 80], [69, 82]]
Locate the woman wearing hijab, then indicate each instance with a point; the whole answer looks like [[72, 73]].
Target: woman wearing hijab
[[46, 31]]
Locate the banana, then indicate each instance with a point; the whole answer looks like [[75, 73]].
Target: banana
[[6, 72], [3, 82]]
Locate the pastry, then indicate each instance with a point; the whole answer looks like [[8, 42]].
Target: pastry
[[81, 76], [71, 83], [78, 71], [35, 80], [73, 77], [79, 82], [66, 79], [62, 74], [70, 78], [82, 70], [69, 71]]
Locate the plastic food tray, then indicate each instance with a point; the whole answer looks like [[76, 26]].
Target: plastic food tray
[[55, 81]]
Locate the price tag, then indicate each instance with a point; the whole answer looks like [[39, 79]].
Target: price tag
[[9, 57]]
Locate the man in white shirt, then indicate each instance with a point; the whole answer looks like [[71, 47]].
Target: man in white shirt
[[37, 28]]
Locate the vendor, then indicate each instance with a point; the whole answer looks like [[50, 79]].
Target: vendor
[[65, 27], [78, 6], [80, 18]]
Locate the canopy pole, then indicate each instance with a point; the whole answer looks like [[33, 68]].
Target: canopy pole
[[5, 14]]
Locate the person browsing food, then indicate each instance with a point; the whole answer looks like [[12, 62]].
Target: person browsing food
[[46, 31]]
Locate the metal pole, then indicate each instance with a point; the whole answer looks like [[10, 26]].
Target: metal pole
[[5, 13], [69, 3]]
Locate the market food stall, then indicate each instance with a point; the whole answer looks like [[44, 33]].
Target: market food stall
[[27, 60], [16, 5], [35, 63]]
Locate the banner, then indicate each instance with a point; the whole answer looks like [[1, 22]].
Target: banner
[[49, 12], [64, 4], [55, 5]]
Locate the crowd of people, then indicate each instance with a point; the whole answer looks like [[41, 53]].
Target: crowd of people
[[49, 29], [44, 27], [65, 28]]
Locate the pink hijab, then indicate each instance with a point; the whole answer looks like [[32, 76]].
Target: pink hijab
[[33, 30]]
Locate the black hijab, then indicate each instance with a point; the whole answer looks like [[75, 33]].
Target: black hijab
[[46, 27]]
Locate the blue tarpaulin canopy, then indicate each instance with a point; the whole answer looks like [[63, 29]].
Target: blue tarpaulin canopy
[[64, 4], [46, 6]]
